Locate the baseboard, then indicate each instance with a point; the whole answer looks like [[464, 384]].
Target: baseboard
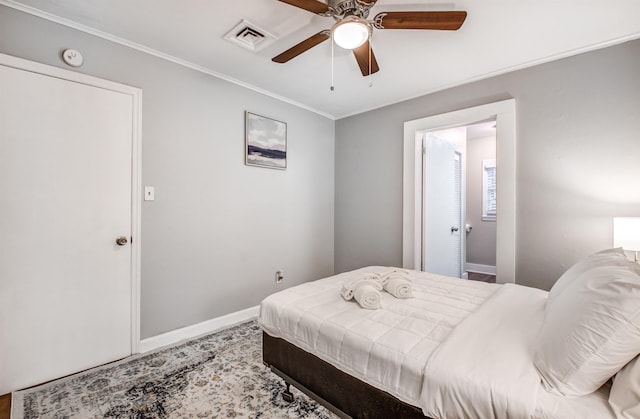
[[198, 329], [481, 269]]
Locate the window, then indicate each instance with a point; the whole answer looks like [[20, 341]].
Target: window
[[489, 190]]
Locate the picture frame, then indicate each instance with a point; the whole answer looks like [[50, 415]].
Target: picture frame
[[265, 142]]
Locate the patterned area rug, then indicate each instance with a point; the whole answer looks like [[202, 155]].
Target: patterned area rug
[[216, 376]]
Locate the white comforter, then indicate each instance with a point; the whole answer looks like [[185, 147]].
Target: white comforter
[[459, 349], [484, 368], [387, 348]]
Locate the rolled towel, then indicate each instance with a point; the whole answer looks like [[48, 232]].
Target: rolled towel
[[395, 273], [349, 287], [399, 287], [367, 296]]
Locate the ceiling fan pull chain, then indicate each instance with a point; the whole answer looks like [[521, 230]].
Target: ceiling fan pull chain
[[332, 88], [370, 83]]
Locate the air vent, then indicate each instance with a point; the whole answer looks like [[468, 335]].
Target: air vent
[[249, 36]]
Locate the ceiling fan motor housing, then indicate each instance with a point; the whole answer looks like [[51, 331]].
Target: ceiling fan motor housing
[[341, 8]]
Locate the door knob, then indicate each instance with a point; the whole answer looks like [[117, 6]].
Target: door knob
[[454, 229], [121, 241]]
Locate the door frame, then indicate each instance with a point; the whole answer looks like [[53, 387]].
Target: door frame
[[136, 165], [505, 114]]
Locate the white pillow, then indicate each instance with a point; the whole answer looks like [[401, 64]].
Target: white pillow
[[625, 391], [591, 330], [609, 257]]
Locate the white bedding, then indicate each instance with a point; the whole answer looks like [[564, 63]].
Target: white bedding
[[484, 368], [431, 351], [594, 405], [386, 348]]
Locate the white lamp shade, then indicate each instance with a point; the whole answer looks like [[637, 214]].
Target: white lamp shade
[[626, 233], [350, 34]]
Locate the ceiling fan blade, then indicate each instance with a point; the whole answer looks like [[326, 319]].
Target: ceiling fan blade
[[313, 6], [445, 21], [303, 46], [362, 57]]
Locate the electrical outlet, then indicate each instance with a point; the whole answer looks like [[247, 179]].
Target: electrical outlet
[[279, 276]]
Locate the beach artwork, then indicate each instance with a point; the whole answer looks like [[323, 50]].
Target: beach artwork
[[266, 142]]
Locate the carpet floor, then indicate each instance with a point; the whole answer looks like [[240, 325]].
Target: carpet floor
[[215, 376]]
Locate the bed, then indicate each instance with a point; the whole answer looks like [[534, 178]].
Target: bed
[[457, 349]]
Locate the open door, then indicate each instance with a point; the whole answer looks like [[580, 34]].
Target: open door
[[442, 207]]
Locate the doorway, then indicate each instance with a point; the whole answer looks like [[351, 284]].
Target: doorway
[[459, 200], [504, 114]]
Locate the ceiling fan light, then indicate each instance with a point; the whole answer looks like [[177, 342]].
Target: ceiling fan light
[[351, 33]]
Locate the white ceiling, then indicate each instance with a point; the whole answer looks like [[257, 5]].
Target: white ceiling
[[498, 36]]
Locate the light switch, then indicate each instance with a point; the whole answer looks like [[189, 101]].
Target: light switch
[[149, 193]]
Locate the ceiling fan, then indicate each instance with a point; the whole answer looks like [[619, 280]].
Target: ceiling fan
[[352, 30]]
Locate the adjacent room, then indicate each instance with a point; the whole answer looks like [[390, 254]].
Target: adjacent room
[[319, 209]]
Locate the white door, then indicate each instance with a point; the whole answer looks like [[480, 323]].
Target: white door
[[65, 196], [441, 244]]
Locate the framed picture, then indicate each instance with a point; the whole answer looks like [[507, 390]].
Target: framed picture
[[265, 142]]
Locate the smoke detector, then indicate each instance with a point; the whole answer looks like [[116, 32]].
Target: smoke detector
[[249, 36]]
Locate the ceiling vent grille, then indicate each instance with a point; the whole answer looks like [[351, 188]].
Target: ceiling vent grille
[[249, 36]]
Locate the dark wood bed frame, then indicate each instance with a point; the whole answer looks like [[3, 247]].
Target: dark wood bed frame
[[346, 396]]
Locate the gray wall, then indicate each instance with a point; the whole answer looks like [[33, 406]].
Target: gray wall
[[578, 150], [218, 230], [481, 241]]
